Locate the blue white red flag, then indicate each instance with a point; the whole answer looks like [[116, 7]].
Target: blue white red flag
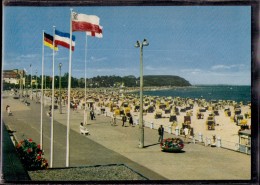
[[63, 39]]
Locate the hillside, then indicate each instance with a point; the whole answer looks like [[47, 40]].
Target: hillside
[[165, 80], [132, 81]]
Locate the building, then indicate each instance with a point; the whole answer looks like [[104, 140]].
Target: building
[[14, 76]]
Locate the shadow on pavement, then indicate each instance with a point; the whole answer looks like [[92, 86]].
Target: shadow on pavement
[[151, 145]]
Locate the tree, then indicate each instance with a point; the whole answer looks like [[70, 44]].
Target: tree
[[64, 80]]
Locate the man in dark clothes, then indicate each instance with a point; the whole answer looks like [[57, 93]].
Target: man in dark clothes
[[160, 132], [124, 120], [92, 114], [131, 122]]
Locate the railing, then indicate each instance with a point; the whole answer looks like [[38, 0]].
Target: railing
[[230, 145]]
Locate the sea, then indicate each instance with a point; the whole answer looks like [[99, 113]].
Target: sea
[[207, 92]]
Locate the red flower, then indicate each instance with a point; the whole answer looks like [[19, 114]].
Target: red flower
[[29, 150], [39, 146], [18, 145], [181, 145], [38, 157], [40, 152], [30, 140]]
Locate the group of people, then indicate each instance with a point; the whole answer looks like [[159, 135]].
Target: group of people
[[124, 120]]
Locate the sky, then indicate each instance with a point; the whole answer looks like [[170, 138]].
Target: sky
[[203, 44]]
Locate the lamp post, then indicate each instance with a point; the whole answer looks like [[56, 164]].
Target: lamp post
[[26, 83], [20, 83], [141, 126], [36, 86], [60, 64]]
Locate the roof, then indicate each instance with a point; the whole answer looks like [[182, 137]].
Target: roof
[[9, 74], [245, 132]]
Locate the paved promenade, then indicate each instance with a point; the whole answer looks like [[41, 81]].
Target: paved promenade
[[108, 144]]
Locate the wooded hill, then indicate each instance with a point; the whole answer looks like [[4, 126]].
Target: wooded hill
[[165, 80], [132, 81], [104, 81]]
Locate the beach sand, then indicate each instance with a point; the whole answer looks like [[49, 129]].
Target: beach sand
[[112, 99]]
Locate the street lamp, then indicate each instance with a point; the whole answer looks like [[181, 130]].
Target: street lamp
[[20, 82], [36, 86], [60, 64], [141, 126]]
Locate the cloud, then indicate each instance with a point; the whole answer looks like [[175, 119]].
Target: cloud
[[151, 68], [26, 57], [29, 56], [62, 59], [94, 59], [227, 67], [103, 70], [199, 76], [191, 71], [13, 61]]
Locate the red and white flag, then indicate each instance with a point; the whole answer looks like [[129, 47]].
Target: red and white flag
[[84, 23], [94, 34]]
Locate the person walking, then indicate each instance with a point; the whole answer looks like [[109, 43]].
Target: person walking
[[123, 120], [92, 114], [160, 132], [113, 121], [186, 133], [7, 106], [131, 122], [9, 111]]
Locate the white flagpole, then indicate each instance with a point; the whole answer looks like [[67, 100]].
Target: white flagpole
[[44, 90], [69, 85], [31, 82], [41, 136], [85, 110], [52, 100]]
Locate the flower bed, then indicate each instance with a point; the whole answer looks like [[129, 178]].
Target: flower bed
[[172, 145], [31, 155]]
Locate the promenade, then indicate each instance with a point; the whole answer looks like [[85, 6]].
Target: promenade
[[108, 144]]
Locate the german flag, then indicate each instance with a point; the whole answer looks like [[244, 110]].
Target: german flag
[[48, 41]]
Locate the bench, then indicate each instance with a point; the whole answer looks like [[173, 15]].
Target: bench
[[83, 130]]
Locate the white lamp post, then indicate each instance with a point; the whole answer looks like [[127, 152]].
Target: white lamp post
[[141, 126]]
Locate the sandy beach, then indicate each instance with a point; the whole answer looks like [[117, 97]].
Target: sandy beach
[[116, 101]]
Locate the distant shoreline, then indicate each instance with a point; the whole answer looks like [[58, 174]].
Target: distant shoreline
[[157, 88]]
